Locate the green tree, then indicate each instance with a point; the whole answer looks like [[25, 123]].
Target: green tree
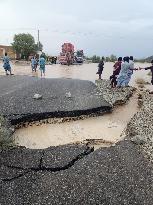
[[107, 59], [113, 58], [95, 59], [24, 44]]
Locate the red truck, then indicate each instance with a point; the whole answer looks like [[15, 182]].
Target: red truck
[[67, 55]]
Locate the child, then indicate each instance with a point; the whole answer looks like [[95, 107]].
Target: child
[[34, 64]]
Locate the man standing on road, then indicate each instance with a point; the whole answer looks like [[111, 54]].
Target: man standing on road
[[100, 68], [42, 63], [130, 70], [6, 65]]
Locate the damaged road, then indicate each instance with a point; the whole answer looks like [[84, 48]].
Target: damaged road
[[21, 160], [60, 98], [69, 174], [116, 175]]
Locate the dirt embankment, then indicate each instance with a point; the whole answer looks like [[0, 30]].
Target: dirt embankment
[[6, 131], [140, 128]]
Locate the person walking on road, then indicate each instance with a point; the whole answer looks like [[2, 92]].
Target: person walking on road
[[34, 64], [6, 65], [42, 64]]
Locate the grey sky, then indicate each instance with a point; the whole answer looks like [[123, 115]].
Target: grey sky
[[99, 27]]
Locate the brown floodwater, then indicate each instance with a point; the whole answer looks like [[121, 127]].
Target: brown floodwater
[[84, 72], [109, 127]]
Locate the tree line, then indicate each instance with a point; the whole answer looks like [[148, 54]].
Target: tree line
[[97, 59], [24, 45], [113, 58]]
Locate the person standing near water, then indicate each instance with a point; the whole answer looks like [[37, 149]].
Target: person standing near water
[[100, 68], [149, 68], [42, 64], [117, 68], [122, 78], [130, 70], [6, 65]]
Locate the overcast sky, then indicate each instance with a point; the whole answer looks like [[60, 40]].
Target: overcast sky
[[99, 27]]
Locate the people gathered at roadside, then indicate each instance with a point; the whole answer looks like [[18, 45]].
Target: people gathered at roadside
[[122, 73], [122, 70]]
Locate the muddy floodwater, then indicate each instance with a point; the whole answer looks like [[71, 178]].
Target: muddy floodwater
[[108, 127], [83, 72]]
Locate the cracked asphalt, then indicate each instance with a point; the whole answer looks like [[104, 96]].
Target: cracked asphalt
[[68, 174], [116, 175]]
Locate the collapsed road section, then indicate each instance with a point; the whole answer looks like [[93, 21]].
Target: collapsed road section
[[60, 98]]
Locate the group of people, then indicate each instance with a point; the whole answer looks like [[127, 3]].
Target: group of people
[[122, 72], [34, 64], [41, 62]]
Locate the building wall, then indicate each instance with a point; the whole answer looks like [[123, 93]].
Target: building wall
[[8, 50]]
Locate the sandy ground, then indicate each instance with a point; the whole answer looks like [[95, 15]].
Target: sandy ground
[[108, 127]]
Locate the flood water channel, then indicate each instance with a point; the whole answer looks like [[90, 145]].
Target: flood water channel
[[109, 127]]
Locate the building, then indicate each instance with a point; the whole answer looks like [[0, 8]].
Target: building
[[8, 50]]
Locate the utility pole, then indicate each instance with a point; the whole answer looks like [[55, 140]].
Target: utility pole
[[39, 52], [38, 41]]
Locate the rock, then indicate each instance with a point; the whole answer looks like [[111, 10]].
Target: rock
[[139, 140], [115, 96], [140, 102], [140, 96], [68, 95], [6, 130], [37, 96]]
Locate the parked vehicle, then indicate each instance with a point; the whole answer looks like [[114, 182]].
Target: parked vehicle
[[79, 57], [69, 57]]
